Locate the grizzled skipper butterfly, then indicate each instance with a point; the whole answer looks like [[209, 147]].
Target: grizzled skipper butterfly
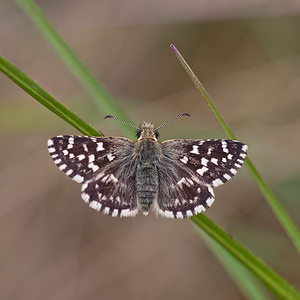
[[119, 176]]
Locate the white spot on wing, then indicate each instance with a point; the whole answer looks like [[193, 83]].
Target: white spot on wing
[[210, 189], [65, 152], [95, 205], [224, 146], [233, 171], [69, 172], [226, 176], [202, 170], [93, 167], [110, 157], [189, 213], [198, 209], [128, 213], [70, 143], [113, 178], [57, 161], [166, 213], [104, 178], [81, 157], [62, 167], [184, 160], [189, 182], [91, 158], [245, 148], [214, 161], [106, 210], [78, 178], [99, 146], [204, 161], [51, 150], [217, 182], [195, 149], [210, 201], [50, 142], [85, 197], [115, 213], [179, 215], [84, 186]]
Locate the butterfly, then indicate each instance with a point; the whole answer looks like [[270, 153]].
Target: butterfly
[[119, 177]]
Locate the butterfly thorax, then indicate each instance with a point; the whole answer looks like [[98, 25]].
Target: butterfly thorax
[[148, 152]]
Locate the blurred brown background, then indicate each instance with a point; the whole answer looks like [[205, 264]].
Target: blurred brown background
[[247, 55]]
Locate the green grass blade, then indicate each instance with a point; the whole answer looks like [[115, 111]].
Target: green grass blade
[[101, 97], [275, 283], [285, 220], [247, 283], [272, 280], [44, 98]]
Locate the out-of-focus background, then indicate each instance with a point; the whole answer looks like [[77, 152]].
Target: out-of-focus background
[[247, 55]]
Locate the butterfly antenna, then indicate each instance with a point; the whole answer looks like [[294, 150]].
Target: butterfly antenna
[[173, 119], [113, 117]]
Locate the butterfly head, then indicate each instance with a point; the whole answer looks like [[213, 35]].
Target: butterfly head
[[147, 131]]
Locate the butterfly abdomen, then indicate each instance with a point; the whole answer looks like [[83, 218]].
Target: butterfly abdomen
[[147, 174]]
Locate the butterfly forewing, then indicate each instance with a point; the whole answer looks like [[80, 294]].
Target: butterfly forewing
[[105, 168], [213, 161]]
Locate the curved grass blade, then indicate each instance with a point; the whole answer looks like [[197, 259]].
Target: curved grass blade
[[272, 280], [44, 98], [285, 220], [248, 284], [101, 97]]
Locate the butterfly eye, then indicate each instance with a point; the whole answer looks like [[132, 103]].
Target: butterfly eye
[[156, 134], [138, 134]]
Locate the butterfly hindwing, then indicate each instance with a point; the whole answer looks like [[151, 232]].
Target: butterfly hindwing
[[102, 165], [181, 193]]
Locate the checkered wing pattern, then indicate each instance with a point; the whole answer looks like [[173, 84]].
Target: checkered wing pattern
[[105, 168], [191, 168]]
